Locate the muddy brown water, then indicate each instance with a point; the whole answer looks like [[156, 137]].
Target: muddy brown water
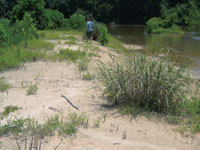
[[185, 49]]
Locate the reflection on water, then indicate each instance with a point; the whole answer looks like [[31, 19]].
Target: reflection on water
[[185, 49]]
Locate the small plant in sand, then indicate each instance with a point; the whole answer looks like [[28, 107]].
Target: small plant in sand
[[83, 63], [9, 109], [104, 117], [124, 135], [71, 40], [97, 123], [4, 86], [32, 89], [88, 76]]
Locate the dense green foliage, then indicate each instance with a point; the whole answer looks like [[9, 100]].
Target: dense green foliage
[[118, 11], [3, 38], [104, 37], [51, 19], [185, 14], [33, 7], [150, 84], [77, 22], [21, 30], [157, 25], [13, 34], [193, 19], [100, 33]]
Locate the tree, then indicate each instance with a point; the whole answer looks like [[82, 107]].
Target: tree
[[6, 7], [33, 7]]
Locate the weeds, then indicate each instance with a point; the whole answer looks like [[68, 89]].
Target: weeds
[[104, 117], [57, 34], [9, 109], [83, 63], [30, 130], [39, 44], [192, 114], [72, 40], [79, 120], [124, 135], [32, 89], [71, 55], [13, 57], [97, 123], [88, 76], [4, 86]]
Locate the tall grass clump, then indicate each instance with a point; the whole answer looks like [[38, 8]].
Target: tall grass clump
[[149, 83]]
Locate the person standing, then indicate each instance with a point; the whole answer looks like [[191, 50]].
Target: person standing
[[89, 28]]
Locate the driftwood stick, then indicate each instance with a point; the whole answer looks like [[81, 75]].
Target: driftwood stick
[[57, 146], [40, 148], [70, 102], [18, 144]]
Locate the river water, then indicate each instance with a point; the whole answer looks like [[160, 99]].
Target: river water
[[185, 49]]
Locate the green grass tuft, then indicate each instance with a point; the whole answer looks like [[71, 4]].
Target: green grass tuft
[[4, 86], [9, 109], [192, 113], [39, 44], [88, 76], [32, 89], [71, 54]]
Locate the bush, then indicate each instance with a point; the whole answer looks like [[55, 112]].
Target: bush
[[52, 19], [77, 22], [193, 19], [104, 37], [151, 84], [33, 7], [3, 37], [84, 13], [96, 30], [100, 33], [21, 30], [162, 26], [153, 24]]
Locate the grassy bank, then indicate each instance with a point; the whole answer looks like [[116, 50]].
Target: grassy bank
[[36, 49]]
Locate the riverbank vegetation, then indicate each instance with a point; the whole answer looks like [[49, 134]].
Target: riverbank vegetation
[[173, 18], [46, 13]]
